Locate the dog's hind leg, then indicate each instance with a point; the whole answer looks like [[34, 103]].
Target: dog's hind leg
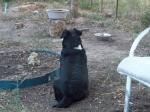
[[57, 90], [62, 95]]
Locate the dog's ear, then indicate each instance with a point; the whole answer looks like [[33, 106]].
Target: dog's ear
[[65, 33], [79, 32]]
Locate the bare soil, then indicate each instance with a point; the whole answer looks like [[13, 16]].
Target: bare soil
[[14, 65], [106, 85]]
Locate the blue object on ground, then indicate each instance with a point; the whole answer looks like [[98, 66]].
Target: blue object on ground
[[14, 84]]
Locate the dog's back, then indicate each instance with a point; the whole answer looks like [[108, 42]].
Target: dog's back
[[74, 68], [73, 83]]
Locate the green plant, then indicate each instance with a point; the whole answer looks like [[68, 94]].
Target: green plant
[[89, 5], [145, 18], [94, 16], [10, 101], [137, 28]]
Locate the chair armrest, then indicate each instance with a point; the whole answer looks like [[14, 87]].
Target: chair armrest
[[137, 40]]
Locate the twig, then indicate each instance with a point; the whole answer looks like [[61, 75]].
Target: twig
[[84, 29]]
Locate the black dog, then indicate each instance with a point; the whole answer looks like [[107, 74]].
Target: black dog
[[72, 85]]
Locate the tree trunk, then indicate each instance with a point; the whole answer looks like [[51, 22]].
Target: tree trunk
[[74, 7], [117, 4], [102, 2], [91, 2]]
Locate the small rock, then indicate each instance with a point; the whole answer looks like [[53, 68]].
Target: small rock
[[2, 52], [100, 102], [35, 12], [101, 24], [118, 110], [19, 25], [108, 13], [1, 106], [20, 67], [3, 93], [103, 36]]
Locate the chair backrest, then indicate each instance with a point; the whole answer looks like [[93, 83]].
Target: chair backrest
[[137, 40]]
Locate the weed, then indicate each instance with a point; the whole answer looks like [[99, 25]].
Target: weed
[[137, 28], [89, 5], [145, 18], [93, 16], [11, 102]]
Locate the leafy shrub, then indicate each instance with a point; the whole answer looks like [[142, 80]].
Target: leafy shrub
[[145, 18], [88, 5], [95, 17]]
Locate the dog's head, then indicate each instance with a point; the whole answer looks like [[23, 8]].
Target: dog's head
[[71, 38]]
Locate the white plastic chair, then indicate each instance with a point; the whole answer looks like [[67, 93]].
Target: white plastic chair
[[137, 68]]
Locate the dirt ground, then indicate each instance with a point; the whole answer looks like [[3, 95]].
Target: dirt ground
[[15, 65], [106, 85]]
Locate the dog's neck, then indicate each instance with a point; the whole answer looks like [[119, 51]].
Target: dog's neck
[[79, 47]]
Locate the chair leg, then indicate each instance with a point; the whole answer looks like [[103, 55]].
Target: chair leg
[[127, 94]]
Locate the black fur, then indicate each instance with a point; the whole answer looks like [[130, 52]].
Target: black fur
[[72, 85]]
